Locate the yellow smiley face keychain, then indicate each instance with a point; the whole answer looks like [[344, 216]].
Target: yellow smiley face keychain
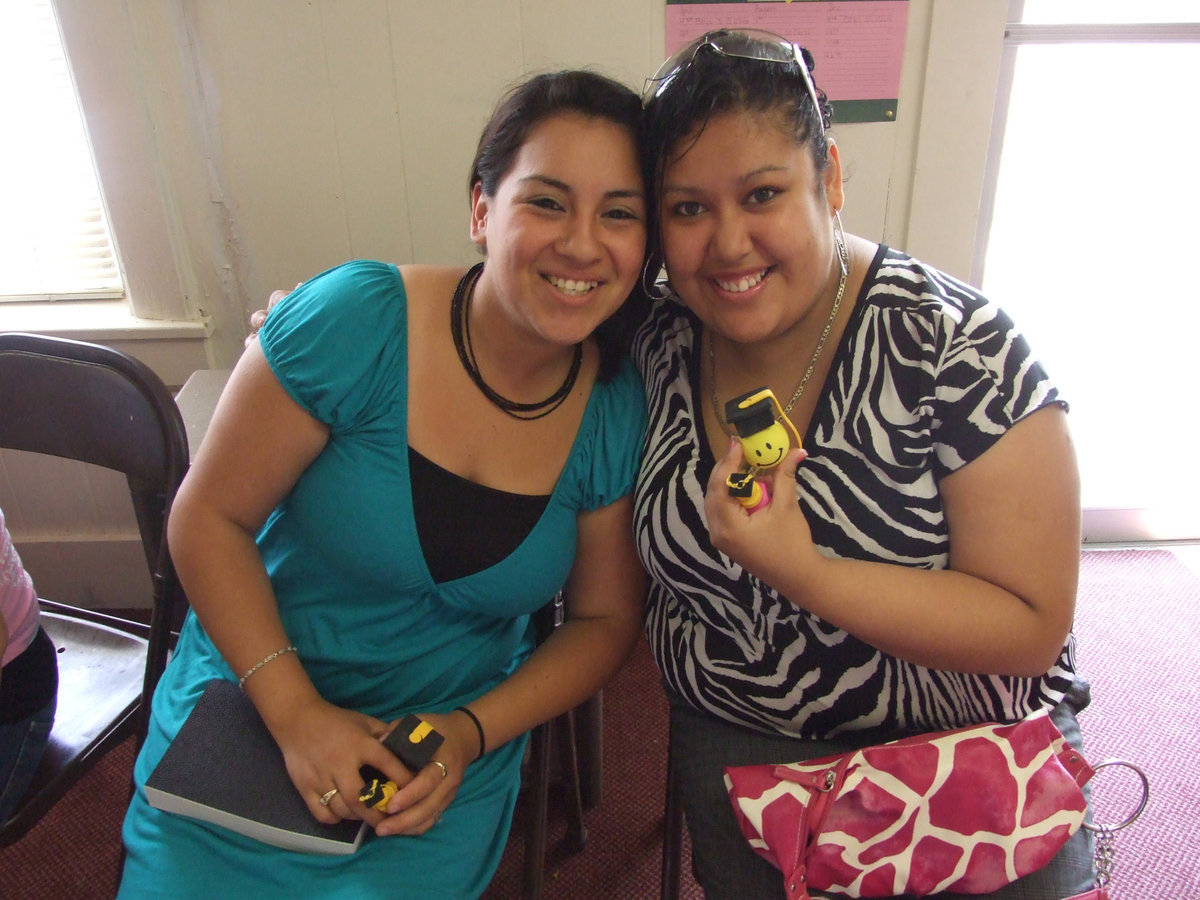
[[766, 435]]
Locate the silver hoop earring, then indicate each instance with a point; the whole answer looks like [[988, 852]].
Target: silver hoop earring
[[839, 238], [656, 290]]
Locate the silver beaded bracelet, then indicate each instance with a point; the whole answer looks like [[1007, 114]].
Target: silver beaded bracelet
[[262, 662]]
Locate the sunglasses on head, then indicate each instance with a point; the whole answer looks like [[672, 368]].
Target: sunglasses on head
[[748, 43]]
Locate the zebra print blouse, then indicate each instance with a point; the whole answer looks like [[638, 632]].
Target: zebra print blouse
[[928, 375]]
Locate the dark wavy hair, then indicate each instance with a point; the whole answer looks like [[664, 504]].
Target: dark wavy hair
[[714, 84], [518, 112]]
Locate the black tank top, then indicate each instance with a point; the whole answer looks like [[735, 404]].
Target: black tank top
[[465, 527]]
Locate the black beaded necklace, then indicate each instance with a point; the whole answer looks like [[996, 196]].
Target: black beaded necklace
[[460, 328]]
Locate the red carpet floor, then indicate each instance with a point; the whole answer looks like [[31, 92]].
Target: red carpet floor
[[1137, 623]]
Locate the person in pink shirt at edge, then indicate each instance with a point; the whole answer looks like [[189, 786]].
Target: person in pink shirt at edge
[[28, 679]]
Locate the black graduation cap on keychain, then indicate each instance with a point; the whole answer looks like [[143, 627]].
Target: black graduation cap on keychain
[[753, 417]]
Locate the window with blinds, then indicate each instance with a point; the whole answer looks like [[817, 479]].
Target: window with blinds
[[55, 242]]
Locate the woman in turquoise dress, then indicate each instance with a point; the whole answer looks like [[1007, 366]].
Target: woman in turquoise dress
[[407, 463]]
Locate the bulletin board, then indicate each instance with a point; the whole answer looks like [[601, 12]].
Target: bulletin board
[[857, 45]]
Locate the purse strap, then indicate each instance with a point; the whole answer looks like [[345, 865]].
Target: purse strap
[[823, 786]]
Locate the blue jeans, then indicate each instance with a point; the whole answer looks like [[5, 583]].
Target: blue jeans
[[727, 869], [21, 747]]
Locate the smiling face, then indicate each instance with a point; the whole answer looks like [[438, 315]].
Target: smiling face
[[766, 448], [565, 231], [746, 224]]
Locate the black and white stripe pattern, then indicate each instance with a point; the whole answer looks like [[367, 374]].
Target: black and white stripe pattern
[[928, 375]]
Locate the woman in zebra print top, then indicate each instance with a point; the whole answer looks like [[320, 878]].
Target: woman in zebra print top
[[925, 579]]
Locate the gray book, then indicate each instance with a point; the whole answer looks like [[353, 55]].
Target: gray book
[[225, 768]]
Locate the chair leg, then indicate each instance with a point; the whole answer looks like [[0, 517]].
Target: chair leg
[[538, 800], [560, 733], [589, 733], [672, 854], [564, 732]]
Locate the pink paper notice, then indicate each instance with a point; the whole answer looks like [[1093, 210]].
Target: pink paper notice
[[858, 45]]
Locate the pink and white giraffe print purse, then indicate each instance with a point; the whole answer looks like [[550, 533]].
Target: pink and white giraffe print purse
[[968, 810]]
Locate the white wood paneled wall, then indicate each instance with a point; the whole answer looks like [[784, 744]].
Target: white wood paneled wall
[[249, 144]]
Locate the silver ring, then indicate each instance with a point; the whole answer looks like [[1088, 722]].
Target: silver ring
[[327, 796], [441, 765]]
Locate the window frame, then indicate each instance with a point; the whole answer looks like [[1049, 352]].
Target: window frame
[[1017, 34]]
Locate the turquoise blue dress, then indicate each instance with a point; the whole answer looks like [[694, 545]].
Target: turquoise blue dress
[[374, 631]]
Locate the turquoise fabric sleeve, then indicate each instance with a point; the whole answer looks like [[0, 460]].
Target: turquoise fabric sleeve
[[615, 435], [355, 315]]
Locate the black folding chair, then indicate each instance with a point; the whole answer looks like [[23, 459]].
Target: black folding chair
[[97, 405]]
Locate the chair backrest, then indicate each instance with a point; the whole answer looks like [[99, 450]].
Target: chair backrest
[[91, 403]]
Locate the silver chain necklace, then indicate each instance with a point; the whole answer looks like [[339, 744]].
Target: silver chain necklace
[[844, 259]]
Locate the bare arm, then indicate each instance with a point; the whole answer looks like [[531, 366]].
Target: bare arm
[[605, 597], [1005, 604], [258, 445]]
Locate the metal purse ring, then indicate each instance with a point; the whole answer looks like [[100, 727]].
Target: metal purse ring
[[1133, 817]]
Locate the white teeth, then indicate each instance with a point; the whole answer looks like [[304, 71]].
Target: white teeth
[[570, 286], [742, 285]]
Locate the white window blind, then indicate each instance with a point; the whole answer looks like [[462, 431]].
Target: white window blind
[[55, 242]]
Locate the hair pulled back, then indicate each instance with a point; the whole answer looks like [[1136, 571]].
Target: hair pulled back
[[517, 114], [529, 103]]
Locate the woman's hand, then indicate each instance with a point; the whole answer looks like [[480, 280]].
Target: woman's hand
[[770, 540], [420, 802], [260, 315], [324, 747]]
